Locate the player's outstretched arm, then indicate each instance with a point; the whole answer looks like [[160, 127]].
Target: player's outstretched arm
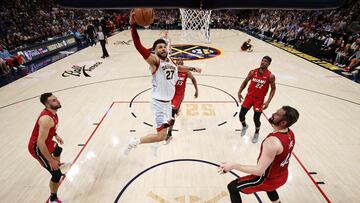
[[185, 69], [194, 82], [271, 147], [151, 59]]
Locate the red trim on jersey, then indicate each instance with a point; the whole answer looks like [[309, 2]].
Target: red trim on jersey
[[141, 49], [165, 125], [157, 67]]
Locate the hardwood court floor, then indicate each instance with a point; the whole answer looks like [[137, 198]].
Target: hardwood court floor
[[96, 122]]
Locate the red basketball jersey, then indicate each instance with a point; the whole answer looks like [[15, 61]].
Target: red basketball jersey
[[279, 167], [181, 83], [35, 133], [259, 83]]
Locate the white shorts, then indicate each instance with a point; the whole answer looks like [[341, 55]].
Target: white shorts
[[162, 113]]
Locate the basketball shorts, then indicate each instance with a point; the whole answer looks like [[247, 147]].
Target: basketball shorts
[[176, 101], [255, 102], [36, 153], [251, 184], [162, 113]]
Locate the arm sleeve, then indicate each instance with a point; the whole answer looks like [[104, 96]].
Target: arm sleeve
[[141, 49]]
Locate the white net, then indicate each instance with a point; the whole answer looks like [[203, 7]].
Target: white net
[[195, 25]]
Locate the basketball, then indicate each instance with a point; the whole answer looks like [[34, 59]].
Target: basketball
[[144, 16]]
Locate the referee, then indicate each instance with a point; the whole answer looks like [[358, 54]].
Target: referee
[[103, 40]]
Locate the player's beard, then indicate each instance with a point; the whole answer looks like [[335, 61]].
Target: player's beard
[[263, 67], [162, 56], [272, 122], [55, 107]]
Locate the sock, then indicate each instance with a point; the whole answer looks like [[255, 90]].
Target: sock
[[53, 197], [137, 141], [243, 123]]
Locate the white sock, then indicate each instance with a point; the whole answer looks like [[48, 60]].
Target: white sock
[[137, 141]]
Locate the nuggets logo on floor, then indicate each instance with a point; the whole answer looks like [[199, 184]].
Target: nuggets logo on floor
[[193, 52]]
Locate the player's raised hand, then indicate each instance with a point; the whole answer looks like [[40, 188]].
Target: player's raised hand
[[132, 19]]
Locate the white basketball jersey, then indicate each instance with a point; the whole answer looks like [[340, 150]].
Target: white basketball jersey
[[164, 80]]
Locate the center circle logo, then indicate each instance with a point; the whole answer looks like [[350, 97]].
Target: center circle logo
[[193, 52]]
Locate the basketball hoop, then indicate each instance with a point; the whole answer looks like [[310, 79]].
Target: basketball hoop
[[195, 25]]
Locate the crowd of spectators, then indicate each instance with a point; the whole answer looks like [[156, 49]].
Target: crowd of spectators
[[331, 35], [25, 22]]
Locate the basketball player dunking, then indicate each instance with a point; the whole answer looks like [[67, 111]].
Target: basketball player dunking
[[179, 95], [271, 170], [42, 146], [260, 79], [164, 77]]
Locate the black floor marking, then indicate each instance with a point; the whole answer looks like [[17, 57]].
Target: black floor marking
[[200, 129], [312, 173], [175, 130], [138, 94], [95, 123], [321, 183], [132, 131], [133, 99], [167, 162], [237, 129], [148, 124], [81, 145]]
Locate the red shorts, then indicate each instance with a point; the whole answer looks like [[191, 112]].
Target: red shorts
[[251, 184], [255, 102], [177, 100], [50, 146]]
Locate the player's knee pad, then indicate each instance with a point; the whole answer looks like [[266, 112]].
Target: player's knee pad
[[56, 176], [57, 151], [273, 196], [257, 119], [242, 113]]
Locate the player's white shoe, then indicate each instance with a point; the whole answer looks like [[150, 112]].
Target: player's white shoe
[[132, 144], [255, 138], [243, 130], [167, 140]]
